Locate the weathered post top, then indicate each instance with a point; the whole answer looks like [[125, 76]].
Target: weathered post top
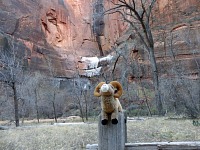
[[112, 136]]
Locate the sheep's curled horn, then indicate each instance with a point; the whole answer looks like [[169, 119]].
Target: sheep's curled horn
[[118, 86], [115, 84]]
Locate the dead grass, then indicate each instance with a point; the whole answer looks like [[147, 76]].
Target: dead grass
[[70, 137], [76, 137], [162, 129]]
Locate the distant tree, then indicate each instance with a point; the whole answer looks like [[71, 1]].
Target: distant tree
[[30, 92], [53, 87], [78, 93], [82, 93], [138, 14], [183, 84], [36, 104], [11, 73]]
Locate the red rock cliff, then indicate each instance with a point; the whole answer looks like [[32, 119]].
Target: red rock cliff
[[58, 33]]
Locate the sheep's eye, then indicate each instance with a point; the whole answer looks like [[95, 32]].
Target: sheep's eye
[[115, 91]]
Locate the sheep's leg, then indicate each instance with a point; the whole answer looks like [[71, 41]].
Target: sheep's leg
[[104, 118], [114, 117], [119, 106]]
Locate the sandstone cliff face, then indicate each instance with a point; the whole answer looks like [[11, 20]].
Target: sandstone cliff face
[[50, 32], [176, 33], [57, 33], [21, 24]]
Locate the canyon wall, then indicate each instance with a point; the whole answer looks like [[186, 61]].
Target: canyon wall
[[72, 38], [57, 33]]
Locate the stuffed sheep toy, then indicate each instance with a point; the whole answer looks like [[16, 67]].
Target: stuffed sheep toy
[[110, 104]]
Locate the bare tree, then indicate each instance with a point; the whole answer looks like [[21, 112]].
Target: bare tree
[[138, 14], [30, 92], [183, 83], [36, 105], [11, 73], [54, 86], [79, 95]]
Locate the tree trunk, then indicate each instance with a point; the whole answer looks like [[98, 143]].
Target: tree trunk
[[146, 100], [81, 110], [54, 108], [99, 45], [13, 84], [36, 106], [86, 106], [154, 68]]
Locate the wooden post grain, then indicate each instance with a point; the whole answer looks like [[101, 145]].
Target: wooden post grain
[[112, 136]]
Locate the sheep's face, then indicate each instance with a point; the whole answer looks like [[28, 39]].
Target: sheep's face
[[107, 90], [114, 88]]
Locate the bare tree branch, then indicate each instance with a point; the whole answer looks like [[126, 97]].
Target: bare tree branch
[[130, 13]]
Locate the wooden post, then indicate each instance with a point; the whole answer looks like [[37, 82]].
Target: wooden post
[[112, 136]]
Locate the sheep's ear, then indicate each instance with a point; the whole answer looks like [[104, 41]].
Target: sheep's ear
[[97, 89], [118, 86]]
